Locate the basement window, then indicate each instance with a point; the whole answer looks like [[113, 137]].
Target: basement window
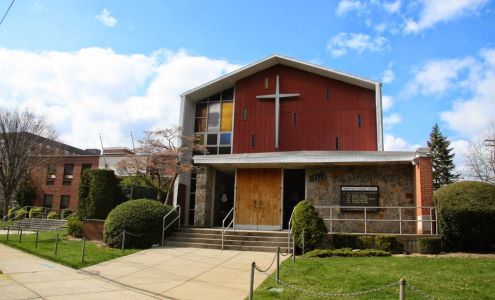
[[253, 141], [337, 143]]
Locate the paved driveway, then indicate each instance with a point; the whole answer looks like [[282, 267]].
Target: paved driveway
[[164, 273]]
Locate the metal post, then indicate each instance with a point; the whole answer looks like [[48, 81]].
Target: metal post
[[36, 241], [83, 250], [402, 290], [400, 220], [331, 219], [303, 241], [123, 241], [56, 244], [365, 221], [293, 248], [8, 233], [277, 278], [20, 237], [251, 282], [436, 222], [431, 222], [179, 218]]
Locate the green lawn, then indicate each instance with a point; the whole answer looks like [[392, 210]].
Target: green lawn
[[69, 251], [441, 278]]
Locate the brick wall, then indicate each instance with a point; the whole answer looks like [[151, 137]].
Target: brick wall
[[423, 188], [93, 229], [58, 189]]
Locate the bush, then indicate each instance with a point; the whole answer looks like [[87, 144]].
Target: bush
[[345, 252], [35, 212], [65, 213], [345, 241], [388, 243], [26, 193], [429, 245], [306, 218], [75, 226], [98, 193], [142, 219], [53, 215], [20, 214], [466, 215], [366, 242]]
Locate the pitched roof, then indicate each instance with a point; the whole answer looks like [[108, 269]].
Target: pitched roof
[[229, 79]]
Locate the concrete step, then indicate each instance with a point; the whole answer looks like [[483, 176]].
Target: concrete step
[[35, 224], [230, 231], [226, 247], [228, 242], [229, 236]]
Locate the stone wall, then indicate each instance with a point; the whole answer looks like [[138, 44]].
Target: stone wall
[[395, 188], [204, 183]]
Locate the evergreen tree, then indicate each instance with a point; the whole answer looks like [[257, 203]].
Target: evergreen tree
[[442, 159]]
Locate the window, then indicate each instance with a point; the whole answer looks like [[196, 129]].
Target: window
[[294, 119], [68, 171], [85, 167], [64, 201], [253, 141], [359, 121], [51, 174], [213, 122], [337, 143], [266, 83], [328, 93], [47, 200], [244, 113]]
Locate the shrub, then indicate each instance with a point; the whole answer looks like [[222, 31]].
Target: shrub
[[35, 212], [429, 245], [466, 215], [366, 242], [65, 213], [345, 241], [306, 218], [53, 215], [345, 252], [142, 219], [388, 243], [98, 192], [75, 226], [20, 214]]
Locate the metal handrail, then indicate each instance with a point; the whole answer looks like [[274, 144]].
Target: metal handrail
[[43, 213], [367, 209], [228, 226], [289, 233], [176, 208]]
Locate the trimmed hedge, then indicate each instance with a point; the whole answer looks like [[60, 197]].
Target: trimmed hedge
[[142, 219], [345, 252], [345, 241], [98, 193], [388, 243], [466, 215], [306, 218], [74, 226], [429, 245]]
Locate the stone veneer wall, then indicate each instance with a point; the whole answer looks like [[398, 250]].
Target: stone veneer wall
[[204, 184], [395, 188]]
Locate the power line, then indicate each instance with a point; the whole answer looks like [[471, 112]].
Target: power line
[[8, 9]]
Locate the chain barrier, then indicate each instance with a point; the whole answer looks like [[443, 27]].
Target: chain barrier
[[420, 292], [328, 294], [132, 234], [264, 271]]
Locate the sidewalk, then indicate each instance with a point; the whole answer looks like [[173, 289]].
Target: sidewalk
[[160, 273]]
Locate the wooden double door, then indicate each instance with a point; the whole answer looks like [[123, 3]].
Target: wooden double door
[[258, 199]]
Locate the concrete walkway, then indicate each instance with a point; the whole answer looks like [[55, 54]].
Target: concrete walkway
[[163, 273]]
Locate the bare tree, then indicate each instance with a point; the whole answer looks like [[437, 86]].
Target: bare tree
[[162, 155], [23, 146], [480, 157]]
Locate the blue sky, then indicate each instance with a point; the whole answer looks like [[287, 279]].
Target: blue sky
[[119, 66]]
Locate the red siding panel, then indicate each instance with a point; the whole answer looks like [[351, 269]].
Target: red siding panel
[[319, 120]]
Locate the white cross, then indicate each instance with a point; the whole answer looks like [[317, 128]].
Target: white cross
[[277, 96]]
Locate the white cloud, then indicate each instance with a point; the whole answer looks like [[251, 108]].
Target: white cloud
[[387, 102], [341, 43], [106, 19], [439, 76], [96, 90], [346, 6], [435, 11], [392, 7], [391, 120], [394, 143], [388, 75], [460, 149]]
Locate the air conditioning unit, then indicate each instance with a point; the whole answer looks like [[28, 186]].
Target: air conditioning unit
[[53, 176], [68, 176]]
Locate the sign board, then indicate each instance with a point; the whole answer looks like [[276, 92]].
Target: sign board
[[359, 196]]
